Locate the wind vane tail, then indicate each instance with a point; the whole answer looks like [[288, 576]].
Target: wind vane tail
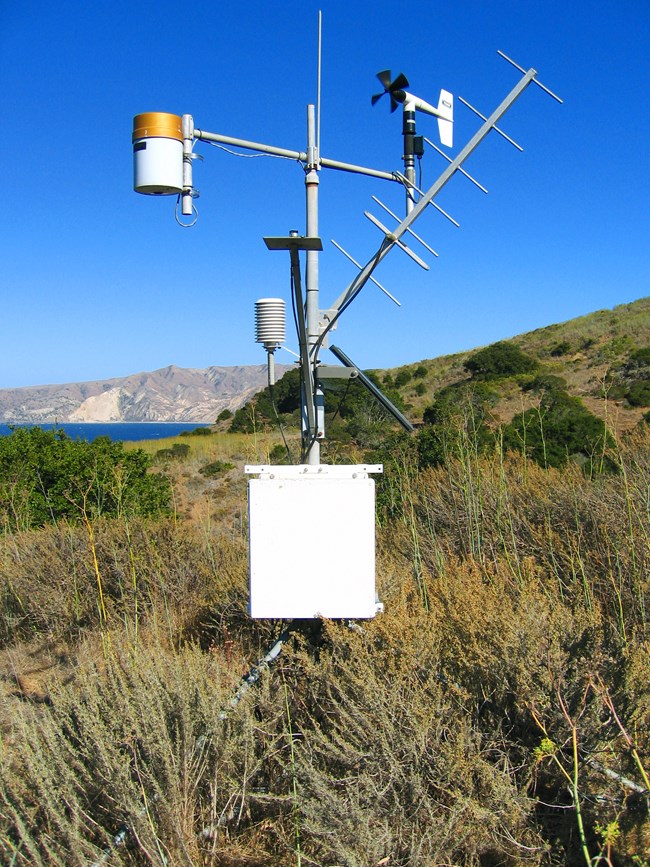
[[446, 118]]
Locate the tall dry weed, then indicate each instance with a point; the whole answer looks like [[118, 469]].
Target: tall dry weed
[[161, 571], [138, 761]]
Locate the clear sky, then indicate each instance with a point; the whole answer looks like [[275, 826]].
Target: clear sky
[[98, 281]]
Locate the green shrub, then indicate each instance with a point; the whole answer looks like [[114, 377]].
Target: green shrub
[[561, 348], [640, 357], [46, 476], [402, 378], [197, 432], [499, 359], [638, 394], [224, 415], [180, 450], [244, 419], [420, 372], [258, 413], [279, 455], [456, 423], [559, 429], [546, 382], [216, 468]]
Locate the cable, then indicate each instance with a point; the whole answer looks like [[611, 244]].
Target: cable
[[373, 263], [221, 147], [343, 399], [277, 418], [409, 189], [195, 210], [308, 439], [293, 302]]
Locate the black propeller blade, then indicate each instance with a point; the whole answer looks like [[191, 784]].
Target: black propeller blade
[[394, 88]]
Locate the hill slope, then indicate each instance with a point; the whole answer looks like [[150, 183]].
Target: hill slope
[[169, 394], [591, 353]]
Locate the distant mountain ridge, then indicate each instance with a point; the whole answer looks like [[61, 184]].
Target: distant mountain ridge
[[172, 393]]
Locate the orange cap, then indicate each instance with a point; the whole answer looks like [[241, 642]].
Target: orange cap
[[157, 124]]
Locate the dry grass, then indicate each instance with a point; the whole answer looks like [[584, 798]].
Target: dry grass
[[442, 732]]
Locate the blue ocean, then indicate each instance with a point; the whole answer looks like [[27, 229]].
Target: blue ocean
[[117, 431]]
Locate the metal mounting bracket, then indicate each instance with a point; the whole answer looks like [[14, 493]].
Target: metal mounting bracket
[[333, 371]]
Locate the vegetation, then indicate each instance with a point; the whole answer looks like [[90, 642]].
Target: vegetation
[[497, 712], [45, 476], [558, 429], [201, 431], [500, 359]]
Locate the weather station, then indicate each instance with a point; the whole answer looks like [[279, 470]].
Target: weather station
[[312, 525]]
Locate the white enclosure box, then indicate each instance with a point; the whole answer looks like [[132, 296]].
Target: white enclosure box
[[312, 542]]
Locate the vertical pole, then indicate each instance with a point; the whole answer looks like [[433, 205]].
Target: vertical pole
[[408, 131], [313, 391], [188, 136]]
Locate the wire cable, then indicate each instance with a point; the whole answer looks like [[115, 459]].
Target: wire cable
[[343, 399], [195, 211], [221, 147], [277, 418], [307, 439], [344, 306]]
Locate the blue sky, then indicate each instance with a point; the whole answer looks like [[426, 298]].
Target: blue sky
[[98, 281]]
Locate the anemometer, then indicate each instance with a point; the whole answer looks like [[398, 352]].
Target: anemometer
[[290, 577]]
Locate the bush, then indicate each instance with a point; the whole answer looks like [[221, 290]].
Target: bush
[[546, 382], [455, 423], [258, 413], [500, 359], [45, 476], [279, 455], [197, 432], [640, 357], [561, 348], [559, 429], [216, 468], [402, 378], [128, 753], [244, 419], [441, 732], [224, 415], [638, 394]]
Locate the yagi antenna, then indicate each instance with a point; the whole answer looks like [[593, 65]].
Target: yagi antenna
[[410, 231], [372, 279], [400, 244], [460, 168]]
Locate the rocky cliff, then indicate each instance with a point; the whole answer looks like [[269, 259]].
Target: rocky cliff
[[170, 394]]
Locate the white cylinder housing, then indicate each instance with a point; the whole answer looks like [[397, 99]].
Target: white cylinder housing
[[157, 154], [270, 322]]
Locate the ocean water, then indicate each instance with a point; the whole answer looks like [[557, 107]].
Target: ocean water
[[117, 431]]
